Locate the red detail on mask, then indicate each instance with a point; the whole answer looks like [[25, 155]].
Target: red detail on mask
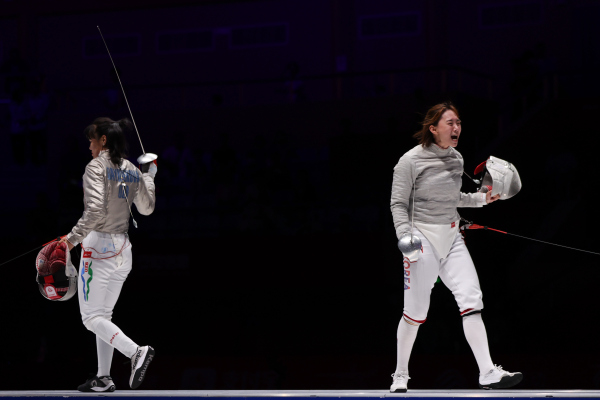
[[480, 167], [51, 292]]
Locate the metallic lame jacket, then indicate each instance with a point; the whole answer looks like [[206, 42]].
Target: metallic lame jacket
[[107, 202]]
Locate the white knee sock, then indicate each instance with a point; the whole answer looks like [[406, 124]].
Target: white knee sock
[[407, 334], [112, 335], [477, 338], [105, 355]]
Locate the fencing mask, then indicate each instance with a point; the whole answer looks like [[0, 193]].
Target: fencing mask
[[499, 176], [56, 275]]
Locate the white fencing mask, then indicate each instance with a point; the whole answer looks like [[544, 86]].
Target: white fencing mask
[[499, 176]]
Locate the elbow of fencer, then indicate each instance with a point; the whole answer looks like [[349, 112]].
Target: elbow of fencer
[[146, 210]]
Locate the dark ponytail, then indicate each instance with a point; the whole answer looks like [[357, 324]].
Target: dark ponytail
[[115, 136], [126, 125]]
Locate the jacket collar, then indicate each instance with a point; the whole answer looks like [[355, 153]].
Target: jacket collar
[[434, 148]]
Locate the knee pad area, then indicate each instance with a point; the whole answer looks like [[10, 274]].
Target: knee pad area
[[92, 322]]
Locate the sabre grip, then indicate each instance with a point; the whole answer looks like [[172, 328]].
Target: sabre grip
[[149, 168], [146, 167]]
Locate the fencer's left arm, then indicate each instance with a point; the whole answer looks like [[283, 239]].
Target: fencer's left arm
[[472, 200], [145, 198]]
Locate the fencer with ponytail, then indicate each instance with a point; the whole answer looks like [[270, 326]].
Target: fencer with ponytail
[[116, 143]]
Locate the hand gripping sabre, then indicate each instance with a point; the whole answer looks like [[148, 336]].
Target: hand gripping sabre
[[146, 157]]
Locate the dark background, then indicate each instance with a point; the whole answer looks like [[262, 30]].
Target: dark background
[[270, 261]]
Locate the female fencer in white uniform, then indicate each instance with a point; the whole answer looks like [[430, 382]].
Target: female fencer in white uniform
[[110, 185], [425, 196]]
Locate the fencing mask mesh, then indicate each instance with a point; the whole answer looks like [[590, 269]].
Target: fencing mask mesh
[[56, 275]]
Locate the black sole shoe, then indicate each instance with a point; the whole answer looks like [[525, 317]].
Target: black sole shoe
[[97, 384], [142, 359], [505, 382]]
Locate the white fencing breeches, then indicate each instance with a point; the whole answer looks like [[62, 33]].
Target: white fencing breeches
[[456, 271], [105, 263]]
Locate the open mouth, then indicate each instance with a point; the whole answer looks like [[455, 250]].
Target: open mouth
[[454, 137]]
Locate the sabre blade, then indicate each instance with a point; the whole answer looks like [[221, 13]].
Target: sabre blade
[[123, 90]]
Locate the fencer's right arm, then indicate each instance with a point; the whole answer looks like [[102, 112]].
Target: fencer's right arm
[[95, 206], [145, 198], [402, 187]]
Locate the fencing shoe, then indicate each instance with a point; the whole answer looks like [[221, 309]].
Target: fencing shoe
[[497, 378], [139, 365], [400, 381], [97, 384]]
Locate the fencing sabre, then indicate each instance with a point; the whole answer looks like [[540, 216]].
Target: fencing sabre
[[146, 157]]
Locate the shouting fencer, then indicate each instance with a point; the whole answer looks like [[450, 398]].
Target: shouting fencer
[[425, 196]]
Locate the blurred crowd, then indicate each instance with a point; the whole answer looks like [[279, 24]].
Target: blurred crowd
[[274, 185], [28, 102]]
